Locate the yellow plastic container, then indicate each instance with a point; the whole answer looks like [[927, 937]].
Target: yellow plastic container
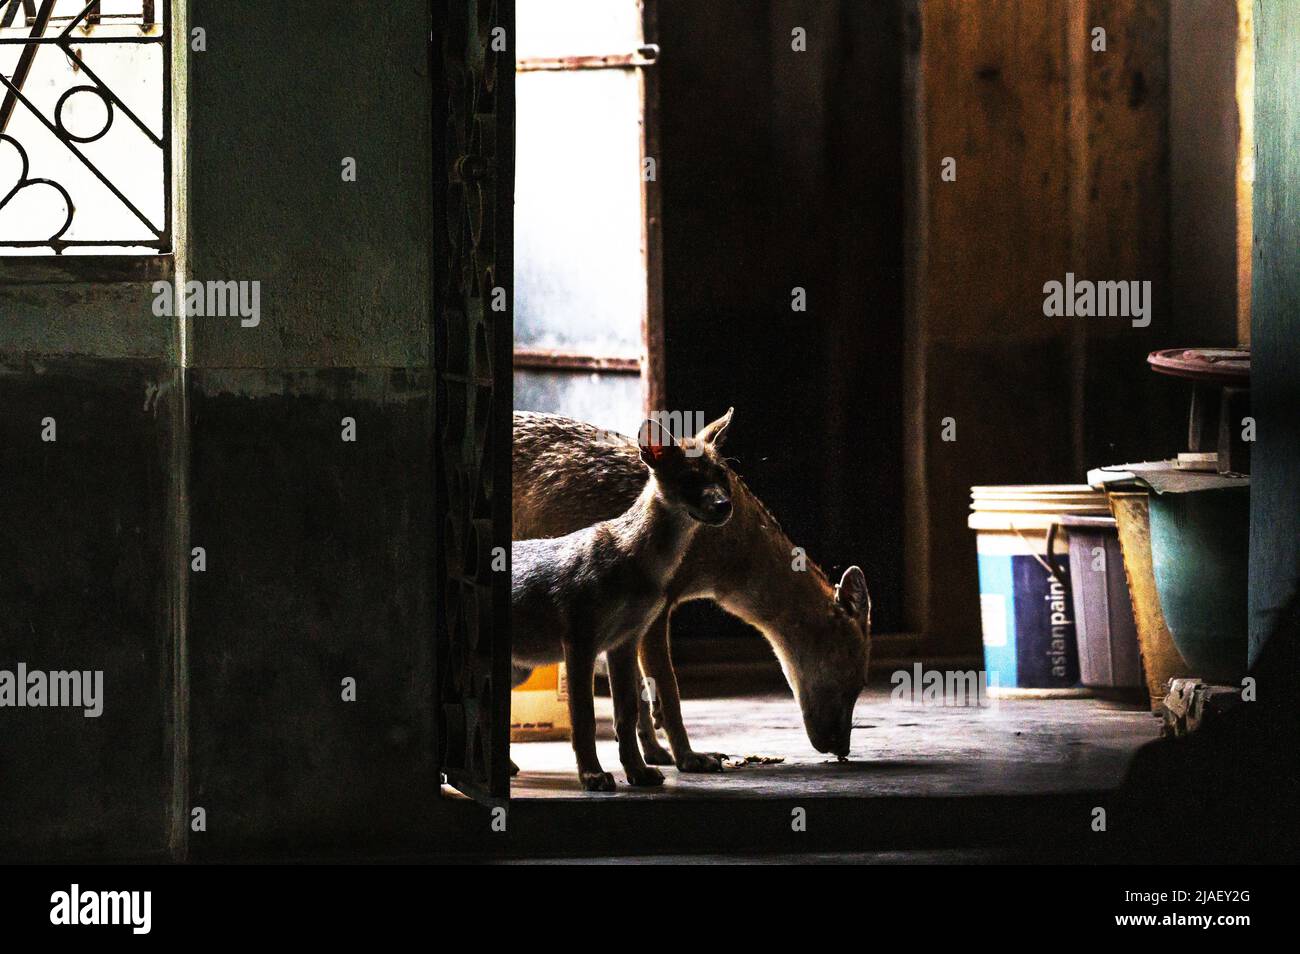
[[539, 708]]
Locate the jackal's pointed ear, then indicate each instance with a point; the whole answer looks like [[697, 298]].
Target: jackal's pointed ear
[[852, 593], [657, 444], [716, 432]]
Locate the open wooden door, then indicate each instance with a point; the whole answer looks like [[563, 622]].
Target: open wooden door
[[472, 70]]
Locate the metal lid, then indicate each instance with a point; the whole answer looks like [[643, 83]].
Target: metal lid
[[1164, 476], [1223, 366], [1081, 521]]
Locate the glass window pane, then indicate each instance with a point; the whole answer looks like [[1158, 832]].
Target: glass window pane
[[577, 27], [610, 401], [579, 276]]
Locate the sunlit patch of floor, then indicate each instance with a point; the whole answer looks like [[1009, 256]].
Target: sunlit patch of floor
[[1015, 747]]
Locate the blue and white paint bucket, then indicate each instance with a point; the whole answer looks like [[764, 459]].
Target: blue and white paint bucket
[[1026, 609]]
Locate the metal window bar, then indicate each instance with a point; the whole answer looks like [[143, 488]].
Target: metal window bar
[[147, 15], [41, 23]]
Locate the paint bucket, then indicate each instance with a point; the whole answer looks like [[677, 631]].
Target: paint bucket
[[1026, 611], [1109, 660], [1199, 556]]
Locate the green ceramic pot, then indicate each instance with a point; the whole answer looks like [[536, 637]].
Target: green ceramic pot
[[1200, 542]]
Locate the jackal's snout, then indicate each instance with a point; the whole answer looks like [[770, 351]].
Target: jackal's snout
[[831, 739]]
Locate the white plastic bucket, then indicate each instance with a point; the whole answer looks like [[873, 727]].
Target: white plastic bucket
[[1026, 611]]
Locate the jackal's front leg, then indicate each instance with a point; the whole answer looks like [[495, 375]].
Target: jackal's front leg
[[624, 677], [580, 663], [656, 661], [649, 716]]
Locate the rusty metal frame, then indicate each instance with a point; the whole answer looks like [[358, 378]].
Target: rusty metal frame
[[472, 253], [644, 56], [649, 364], [39, 20], [93, 13], [546, 359], [652, 321]]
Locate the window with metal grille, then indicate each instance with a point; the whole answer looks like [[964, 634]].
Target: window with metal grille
[[587, 304], [85, 130]]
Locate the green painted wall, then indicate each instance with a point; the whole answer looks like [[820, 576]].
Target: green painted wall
[[1275, 317], [284, 92], [318, 549], [48, 316], [87, 552]]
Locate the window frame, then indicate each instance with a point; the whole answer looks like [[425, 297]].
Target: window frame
[[114, 267], [648, 364]]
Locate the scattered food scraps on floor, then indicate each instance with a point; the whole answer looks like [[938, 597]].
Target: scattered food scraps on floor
[[736, 761]]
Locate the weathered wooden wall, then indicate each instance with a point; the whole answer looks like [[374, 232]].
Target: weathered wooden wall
[[1062, 160], [1205, 211], [784, 169]]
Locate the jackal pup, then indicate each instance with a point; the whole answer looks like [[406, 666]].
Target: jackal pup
[[598, 589]]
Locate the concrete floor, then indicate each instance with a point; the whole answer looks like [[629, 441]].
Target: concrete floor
[[1017, 747]]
